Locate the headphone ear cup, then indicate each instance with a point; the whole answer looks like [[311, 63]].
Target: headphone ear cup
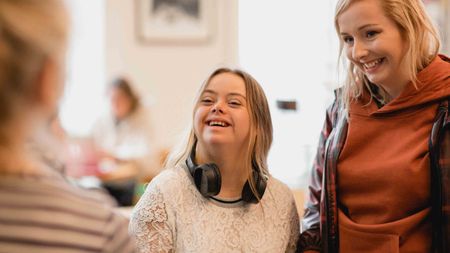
[[260, 184], [207, 179]]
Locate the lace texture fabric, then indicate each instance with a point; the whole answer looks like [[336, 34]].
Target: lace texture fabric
[[150, 224], [172, 216]]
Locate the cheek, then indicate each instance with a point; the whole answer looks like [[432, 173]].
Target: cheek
[[245, 123], [121, 106], [348, 53], [198, 120], [401, 50], [127, 105]]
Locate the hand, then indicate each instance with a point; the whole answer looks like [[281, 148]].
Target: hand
[[121, 171]]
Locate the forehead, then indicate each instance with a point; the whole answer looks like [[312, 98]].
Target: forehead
[[225, 83], [360, 13]]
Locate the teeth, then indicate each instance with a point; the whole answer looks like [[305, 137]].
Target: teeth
[[217, 123], [371, 64]]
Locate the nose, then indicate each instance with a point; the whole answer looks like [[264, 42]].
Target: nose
[[359, 51], [217, 108]]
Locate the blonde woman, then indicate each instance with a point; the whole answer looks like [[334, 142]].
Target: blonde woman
[[216, 194], [39, 211], [381, 177]]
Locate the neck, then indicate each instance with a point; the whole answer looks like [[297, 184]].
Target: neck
[[390, 93], [394, 88], [15, 156], [18, 161], [230, 164]]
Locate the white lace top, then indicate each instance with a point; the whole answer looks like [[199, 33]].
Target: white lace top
[[172, 216]]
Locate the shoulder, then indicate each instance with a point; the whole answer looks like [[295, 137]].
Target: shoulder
[[170, 182], [337, 103], [103, 120], [279, 191], [165, 194], [101, 124], [278, 186], [55, 203], [169, 176], [140, 117], [75, 198], [49, 187], [280, 204]]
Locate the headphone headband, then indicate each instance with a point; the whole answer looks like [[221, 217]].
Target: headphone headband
[[208, 181]]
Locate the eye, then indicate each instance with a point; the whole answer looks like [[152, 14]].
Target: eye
[[371, 34], [347, 39], [206, 101], [234, 103]]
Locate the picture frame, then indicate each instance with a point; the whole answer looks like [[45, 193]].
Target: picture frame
[[174, 20]]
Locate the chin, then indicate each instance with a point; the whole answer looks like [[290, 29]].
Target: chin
[[216, 141]]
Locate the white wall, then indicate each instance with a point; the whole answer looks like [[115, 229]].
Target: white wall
[[85, 67], [291, 48], [169, 75]]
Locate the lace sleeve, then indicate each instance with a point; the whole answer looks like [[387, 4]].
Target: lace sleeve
[[149, 224]]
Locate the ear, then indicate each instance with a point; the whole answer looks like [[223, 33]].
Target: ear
[[49, 85]]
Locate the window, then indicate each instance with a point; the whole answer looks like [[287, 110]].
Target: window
[[82, 101], [291, 48]]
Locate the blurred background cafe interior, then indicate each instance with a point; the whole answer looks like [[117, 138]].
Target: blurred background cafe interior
[[148, 58]]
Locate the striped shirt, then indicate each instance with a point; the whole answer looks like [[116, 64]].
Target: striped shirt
[[41, 214]]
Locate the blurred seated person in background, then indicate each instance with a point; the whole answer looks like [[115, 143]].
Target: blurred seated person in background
[[123, 139], [39, 211]]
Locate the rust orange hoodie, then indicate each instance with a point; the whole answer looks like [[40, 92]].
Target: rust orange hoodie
[[383, 173]]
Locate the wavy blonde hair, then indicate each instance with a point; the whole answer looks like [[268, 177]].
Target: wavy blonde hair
[[261, 130], [417, 30]]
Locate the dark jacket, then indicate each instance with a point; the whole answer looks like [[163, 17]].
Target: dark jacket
[[320, 224]]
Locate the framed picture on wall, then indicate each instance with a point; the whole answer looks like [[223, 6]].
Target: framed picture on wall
[[174, 20]]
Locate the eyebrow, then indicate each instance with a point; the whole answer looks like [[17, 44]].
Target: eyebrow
[[229, 94], [361, 28]]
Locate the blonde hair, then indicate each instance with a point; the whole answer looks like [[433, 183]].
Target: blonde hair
[[260, 137], [30, 32], [417, 30]]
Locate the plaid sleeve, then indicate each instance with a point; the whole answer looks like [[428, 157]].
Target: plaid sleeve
[[444, 164], [310, 238]]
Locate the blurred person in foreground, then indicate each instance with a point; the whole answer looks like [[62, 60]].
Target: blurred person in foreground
[[39, 211]]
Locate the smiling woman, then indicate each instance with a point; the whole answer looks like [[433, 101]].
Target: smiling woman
[[378, 184], [220, 172], [373, 43], [222, 114]]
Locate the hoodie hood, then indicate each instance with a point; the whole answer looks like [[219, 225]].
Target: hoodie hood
[[433, 85]]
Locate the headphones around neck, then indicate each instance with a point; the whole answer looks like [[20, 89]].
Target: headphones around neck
[[208, 181]]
